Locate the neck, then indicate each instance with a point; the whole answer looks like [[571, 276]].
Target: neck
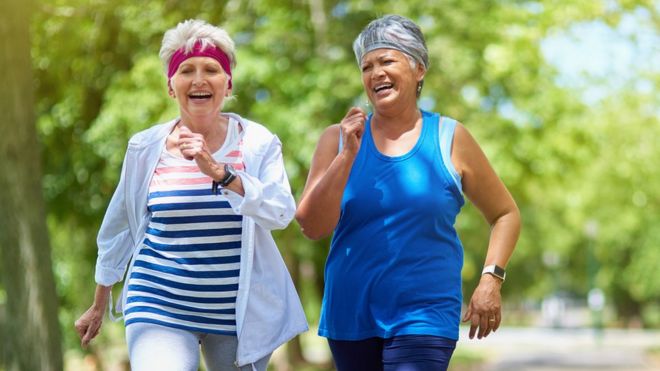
[[207, 125], [214, 129], [397, 120]]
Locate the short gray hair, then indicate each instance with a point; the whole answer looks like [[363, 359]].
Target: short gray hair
[[188, 32], [392, 32]]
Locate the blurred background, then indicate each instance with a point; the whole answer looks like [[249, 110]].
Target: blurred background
[[563, 97]]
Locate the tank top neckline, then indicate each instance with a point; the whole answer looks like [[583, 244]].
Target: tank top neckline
[[420, 140]]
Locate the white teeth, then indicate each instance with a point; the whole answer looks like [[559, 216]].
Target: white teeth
[[383, 86], [200, 94]]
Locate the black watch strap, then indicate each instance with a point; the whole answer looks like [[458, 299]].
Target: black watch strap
[[230, 175]]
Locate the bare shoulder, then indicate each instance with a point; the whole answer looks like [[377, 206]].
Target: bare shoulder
[[462, 137], [329, 140], [466, 155]]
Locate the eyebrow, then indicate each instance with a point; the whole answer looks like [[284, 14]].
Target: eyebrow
[[386, 54]]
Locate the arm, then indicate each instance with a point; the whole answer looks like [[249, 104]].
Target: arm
[[486, 191], [320, 204], [114, 251], [266, 198]]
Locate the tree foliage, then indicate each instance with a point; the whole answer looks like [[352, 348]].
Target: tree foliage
[[568, 164]]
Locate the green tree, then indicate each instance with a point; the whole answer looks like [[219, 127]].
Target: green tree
[[99, 80], [30, 328]]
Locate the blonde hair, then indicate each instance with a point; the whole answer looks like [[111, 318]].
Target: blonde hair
[[190, 31]]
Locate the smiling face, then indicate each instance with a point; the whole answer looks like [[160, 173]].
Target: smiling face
[[389, 79], [200, 86]]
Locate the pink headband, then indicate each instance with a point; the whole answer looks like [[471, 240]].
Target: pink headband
[[210, 51]]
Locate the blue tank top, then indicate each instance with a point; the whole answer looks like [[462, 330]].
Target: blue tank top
[[395, 260]]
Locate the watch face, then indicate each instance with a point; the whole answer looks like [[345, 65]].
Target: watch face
[[230, 175]]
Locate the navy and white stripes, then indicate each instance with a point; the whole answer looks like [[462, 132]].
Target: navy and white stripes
[[186, 272]]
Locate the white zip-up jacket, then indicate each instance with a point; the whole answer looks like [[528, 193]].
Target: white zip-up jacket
[[268, 309]]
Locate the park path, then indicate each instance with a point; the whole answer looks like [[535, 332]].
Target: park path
[[544, 349]]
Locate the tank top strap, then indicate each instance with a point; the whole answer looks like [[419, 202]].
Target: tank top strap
[[446, 129]]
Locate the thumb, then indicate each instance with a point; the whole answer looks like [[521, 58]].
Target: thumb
[[468, 314], [184, 129], [354, 111]]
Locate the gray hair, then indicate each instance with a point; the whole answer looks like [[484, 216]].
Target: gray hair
[[392, 32], [188, 32]]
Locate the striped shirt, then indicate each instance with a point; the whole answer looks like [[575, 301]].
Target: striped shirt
[[186, 272]]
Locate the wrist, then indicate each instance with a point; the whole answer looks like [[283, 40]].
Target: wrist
[[490, 280], [228, 176], [218, 172], [494, 270]]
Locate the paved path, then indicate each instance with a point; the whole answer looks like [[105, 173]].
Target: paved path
[[538, 349]]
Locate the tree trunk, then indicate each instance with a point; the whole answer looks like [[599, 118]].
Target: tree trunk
[[32, 336]]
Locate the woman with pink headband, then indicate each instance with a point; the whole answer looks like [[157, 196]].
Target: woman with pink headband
[[191, 220]]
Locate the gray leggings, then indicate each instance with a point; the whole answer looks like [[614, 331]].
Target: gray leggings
[[155, 347]]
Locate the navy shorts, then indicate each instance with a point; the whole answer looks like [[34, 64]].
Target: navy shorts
[[400, 353]]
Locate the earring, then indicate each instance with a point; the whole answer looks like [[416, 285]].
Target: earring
[[419, 87]]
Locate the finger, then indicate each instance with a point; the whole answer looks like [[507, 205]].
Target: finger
[[92, 331], [184, 130], [80, 328], [474, 325], [498, 320], [355, 111], [354, 122], [489, 326], [473, 330], [483, 325]]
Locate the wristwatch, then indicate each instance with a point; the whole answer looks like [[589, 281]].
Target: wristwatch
[[230, 175], [494, 270]]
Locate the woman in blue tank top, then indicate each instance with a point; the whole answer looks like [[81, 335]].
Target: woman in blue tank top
[[390, 185]]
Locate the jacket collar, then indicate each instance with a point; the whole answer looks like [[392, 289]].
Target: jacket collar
[[158, 133]]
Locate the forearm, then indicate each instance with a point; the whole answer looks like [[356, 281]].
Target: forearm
[[101, 297], [319, 208], [503, 237]]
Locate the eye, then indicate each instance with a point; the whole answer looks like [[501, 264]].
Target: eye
[[366, 67]]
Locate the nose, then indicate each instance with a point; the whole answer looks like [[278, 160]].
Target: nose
[[377, 72], [198, 79]]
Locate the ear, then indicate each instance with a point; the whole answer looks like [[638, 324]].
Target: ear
[[420, 72], [170, 91]]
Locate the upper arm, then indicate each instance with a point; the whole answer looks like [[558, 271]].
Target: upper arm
[[326, 151], [481, 184]]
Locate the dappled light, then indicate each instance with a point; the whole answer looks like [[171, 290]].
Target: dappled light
[[577, 150]]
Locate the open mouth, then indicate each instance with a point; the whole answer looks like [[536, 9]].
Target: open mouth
[[383, 87], [200, 95]]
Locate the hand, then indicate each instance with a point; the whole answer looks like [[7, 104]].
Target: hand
[[89, 324], [193, 147], [190, 144], [352, 128], [484, 310]]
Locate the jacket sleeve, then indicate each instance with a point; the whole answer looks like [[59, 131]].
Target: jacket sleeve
[[268, 199], [114, 240]]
